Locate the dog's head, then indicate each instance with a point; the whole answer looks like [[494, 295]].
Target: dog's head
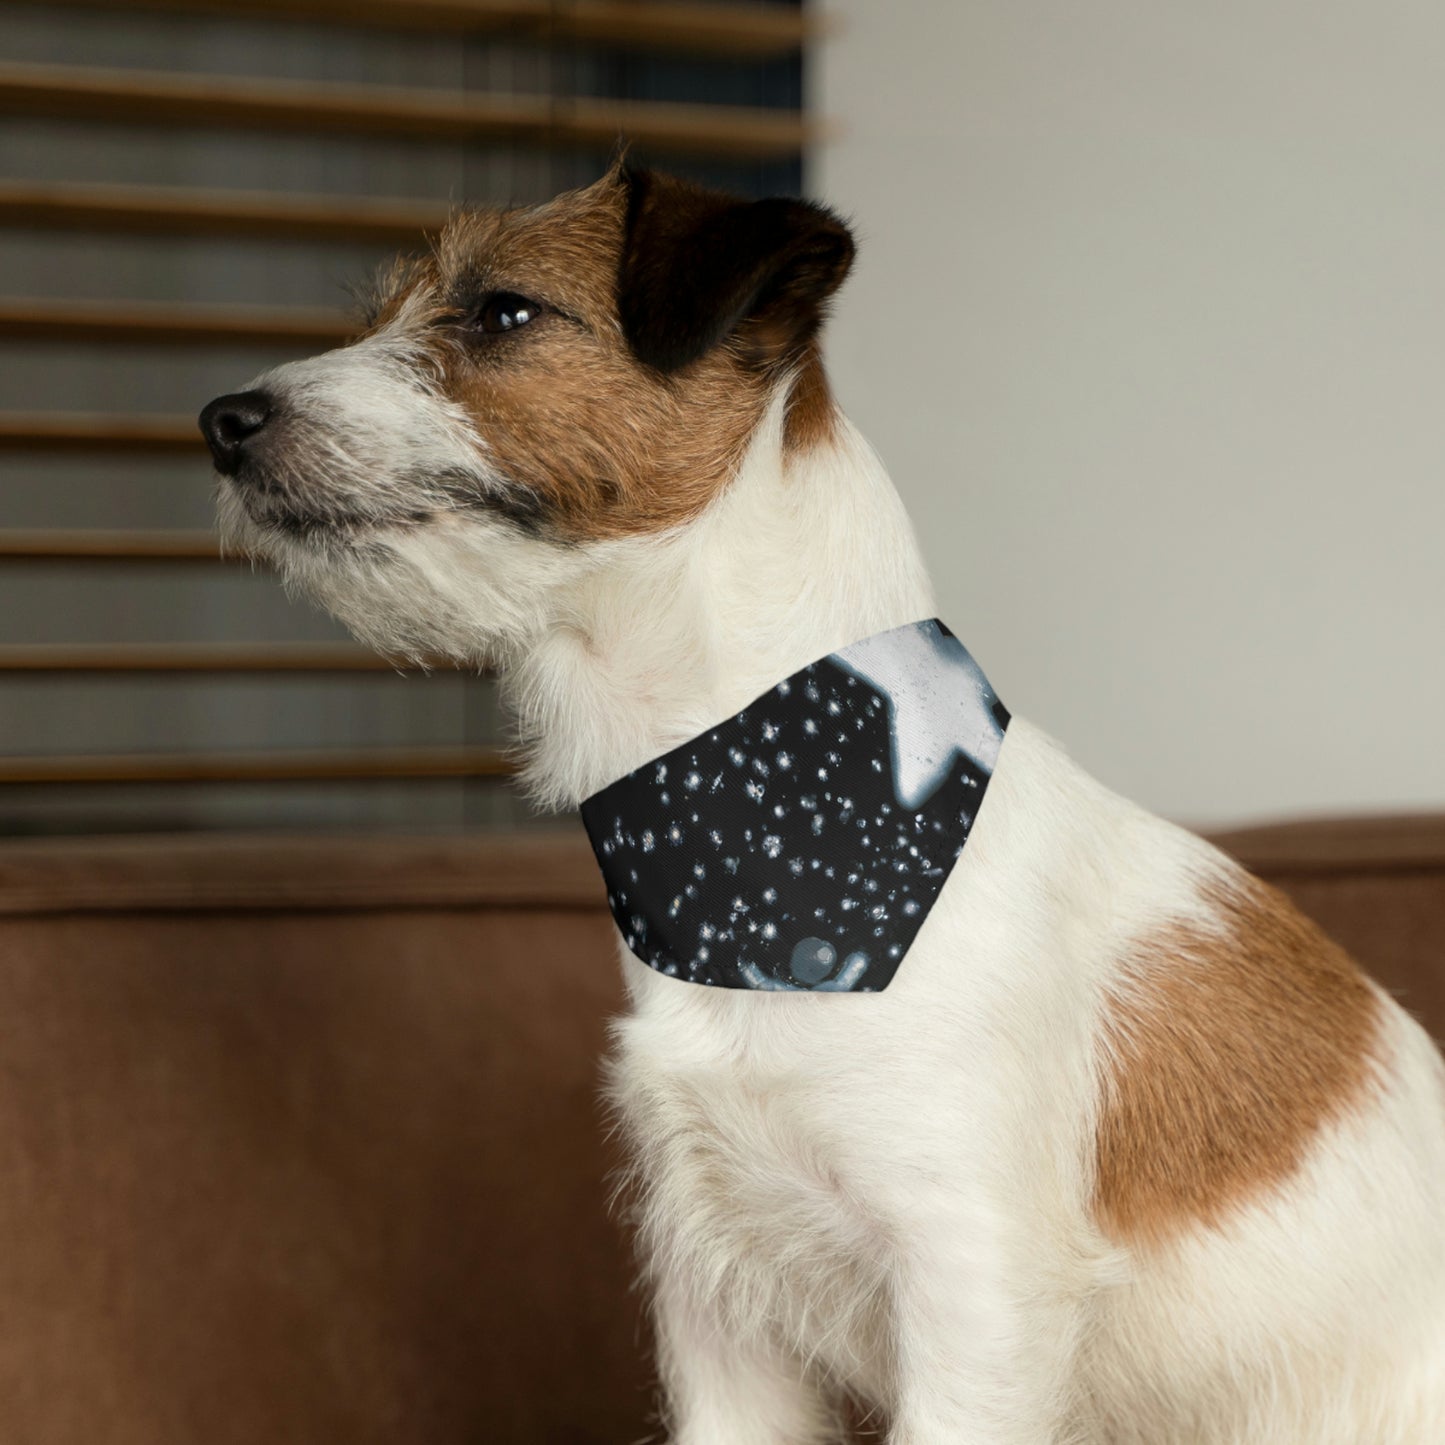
[[546, 382]]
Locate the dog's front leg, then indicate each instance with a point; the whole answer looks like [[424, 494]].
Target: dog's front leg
[[723, 1388], [985, 1347]]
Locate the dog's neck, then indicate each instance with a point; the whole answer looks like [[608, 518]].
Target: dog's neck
[[805, 552]]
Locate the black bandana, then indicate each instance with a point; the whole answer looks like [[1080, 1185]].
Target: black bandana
[[801, 843]]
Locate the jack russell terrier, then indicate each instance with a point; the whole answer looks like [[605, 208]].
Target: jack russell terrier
[[1108, 1145]]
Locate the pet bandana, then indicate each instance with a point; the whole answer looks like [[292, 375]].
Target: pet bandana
[[800, 844]]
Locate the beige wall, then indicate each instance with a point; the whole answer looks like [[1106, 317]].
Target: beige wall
[[1149, 324]]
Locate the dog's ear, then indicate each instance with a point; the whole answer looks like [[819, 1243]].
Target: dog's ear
[[699, 267]]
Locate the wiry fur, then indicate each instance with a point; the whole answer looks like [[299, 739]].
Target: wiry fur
[[896, 1197]]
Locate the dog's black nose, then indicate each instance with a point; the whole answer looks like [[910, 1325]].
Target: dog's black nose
[[229, 422]]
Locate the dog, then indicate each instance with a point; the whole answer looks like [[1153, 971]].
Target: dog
[[1127, 1153]]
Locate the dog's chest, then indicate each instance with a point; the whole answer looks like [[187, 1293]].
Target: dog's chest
[[748, 1183]]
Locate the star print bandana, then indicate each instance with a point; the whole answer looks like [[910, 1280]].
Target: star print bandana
[[800, 844]]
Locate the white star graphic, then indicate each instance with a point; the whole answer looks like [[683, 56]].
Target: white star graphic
[[940, 704]]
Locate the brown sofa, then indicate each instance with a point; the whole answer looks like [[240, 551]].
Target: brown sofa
[[299, 1139]]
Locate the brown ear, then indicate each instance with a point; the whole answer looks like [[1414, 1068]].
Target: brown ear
[[699, 266]]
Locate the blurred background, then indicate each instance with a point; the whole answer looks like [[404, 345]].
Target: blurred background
[[1149, 324], [301, 1007]]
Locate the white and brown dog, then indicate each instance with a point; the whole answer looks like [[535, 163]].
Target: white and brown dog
[[1128, 1152]]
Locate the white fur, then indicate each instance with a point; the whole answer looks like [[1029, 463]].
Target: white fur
[[890, 1194]]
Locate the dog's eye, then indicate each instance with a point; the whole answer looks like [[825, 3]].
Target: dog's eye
[[506, 311]]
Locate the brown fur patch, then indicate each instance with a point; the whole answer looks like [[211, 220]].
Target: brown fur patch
[[812, 413], [1228, 1051], [594, 442], [607, 447]]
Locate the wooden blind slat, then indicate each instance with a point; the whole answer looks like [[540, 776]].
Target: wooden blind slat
[[358, 765], [705, 29], [181, 657], [752, 31], [108, 546], [169, 323], [176, 211], [94, 431], [160, 98]]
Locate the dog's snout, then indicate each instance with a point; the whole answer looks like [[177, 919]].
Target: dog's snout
[[229, 422]]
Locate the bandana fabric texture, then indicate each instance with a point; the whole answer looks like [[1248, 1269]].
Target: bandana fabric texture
[[800, 844]]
